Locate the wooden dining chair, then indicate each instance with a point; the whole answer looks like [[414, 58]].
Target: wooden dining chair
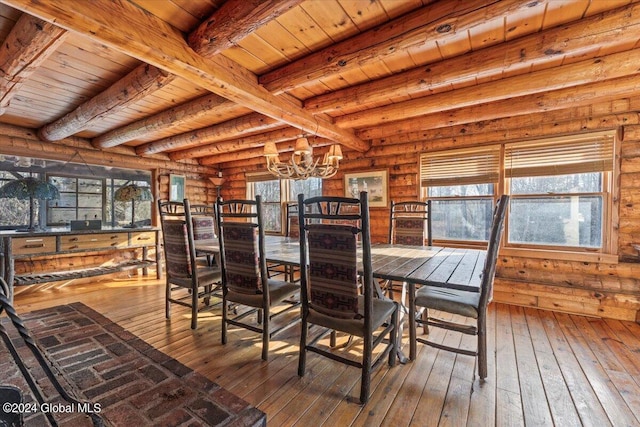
[[245, 279], [204, 227], [182, 270], [462, 303], [330, 286], [409, 224], [291, 230]]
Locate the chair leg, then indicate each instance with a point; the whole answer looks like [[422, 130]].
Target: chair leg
[[194, 308], [302, 355], [394, 337], [265, 333], [482, 348], [365, 383], [425, 325], [167, 307], [225, 314]]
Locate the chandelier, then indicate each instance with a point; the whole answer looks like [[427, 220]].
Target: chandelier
[[302, 165]]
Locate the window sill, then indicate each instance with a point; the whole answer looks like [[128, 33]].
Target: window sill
[[599, 258]]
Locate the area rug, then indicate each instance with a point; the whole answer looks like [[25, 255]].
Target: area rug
[[130, 382]]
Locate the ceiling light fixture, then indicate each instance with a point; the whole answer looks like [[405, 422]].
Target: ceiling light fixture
[[302, 164]]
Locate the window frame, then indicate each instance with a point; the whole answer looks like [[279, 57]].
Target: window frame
[[285, 196], [607, 252]]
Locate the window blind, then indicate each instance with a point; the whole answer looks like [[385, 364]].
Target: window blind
[[260, 176], [560, 156], [460, 167]]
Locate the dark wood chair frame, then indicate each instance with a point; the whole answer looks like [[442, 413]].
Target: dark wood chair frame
[[198, 287], [410, 209], [486, 293], [330, 210], [200, 210], [413, 209], [250, 211]]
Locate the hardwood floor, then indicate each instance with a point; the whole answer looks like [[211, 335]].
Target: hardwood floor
[[549, 368]]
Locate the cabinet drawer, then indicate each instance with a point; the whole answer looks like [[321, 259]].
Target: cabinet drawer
[[143, 238], [33, 245], [75, 242]]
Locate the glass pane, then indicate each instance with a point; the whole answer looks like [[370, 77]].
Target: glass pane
[[89, 186], [561, 221], [89, 201], [60, 215], [14, 212], [311, 187], [469, 190], [468, 219], [574, 183], [90, 213], [271, 217], [64, 183], [66, 200], [269, 190]]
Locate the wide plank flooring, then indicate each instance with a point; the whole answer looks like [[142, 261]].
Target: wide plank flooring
[[546, 368]]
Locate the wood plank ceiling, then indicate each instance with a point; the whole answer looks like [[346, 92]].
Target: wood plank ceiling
[[212, 80]]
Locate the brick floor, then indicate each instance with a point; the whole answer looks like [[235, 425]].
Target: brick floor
[[134, 384]]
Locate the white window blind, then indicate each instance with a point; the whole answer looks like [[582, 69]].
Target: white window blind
[[460, 167], [560, 156]]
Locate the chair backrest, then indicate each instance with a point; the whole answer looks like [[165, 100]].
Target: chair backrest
[[177, 235], [489, 270], [204, 222], [292, 227], [241, 237], [165, 206], [329, 241], [410, 223]]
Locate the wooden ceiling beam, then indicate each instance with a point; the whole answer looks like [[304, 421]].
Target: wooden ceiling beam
[[407, 33], [573, 75], [611, 32], [249, 141], [608, 90], [126, 91], [147, 38], [234, 21], [250, 123], [30, 42], [176, 116], [217, 31]]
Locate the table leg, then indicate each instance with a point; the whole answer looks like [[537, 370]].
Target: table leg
[[412, 322]]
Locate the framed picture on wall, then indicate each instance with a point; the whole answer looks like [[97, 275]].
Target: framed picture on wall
[[176, 188], [374, 182]]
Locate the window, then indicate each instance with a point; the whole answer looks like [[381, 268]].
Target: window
[[461, 186], [86, 192], [561, 192], [80, 198], [15, 213], [276, 193]]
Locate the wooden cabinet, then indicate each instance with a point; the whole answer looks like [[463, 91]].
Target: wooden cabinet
[[49, 244]]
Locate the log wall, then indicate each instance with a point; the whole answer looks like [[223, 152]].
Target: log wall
[[598, 289]]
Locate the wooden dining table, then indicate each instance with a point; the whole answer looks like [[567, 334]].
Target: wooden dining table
[[444, 267], [453, 268]]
